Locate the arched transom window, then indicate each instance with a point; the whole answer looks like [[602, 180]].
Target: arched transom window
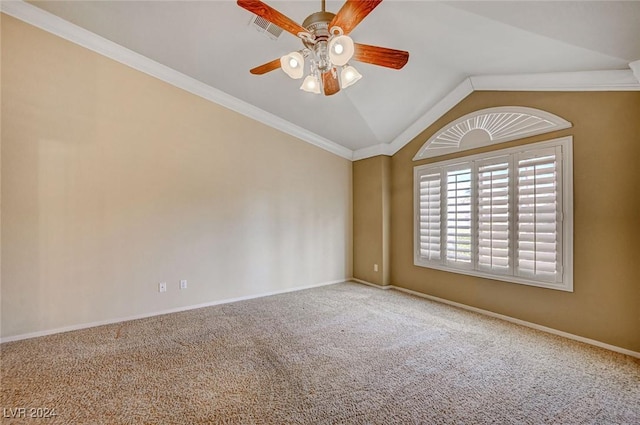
[[489, 126]]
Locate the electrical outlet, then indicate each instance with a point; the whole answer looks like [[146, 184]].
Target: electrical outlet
[[183, 284], [375, 267], [162, 287]]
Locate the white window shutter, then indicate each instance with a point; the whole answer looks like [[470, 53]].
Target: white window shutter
[[504, 215], [458, 216], [493, 215], [539, 227], [429, 220]]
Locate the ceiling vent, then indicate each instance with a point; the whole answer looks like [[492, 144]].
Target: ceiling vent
[[265, 27]]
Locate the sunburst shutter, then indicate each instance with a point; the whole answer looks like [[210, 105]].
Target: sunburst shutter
[[493, 215], [539, 215], [429, 220]]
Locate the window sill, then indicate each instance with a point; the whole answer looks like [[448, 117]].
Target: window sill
[[559, 286]]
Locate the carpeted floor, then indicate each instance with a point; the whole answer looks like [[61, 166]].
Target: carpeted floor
[[344, 353]]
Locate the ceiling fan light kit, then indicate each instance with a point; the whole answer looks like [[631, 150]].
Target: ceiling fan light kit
[[327, 46], [311, 84], [293, 65], [340, 49], [349, 76]]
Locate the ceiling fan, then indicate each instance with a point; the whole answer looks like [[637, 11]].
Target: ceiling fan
[[327, 46]]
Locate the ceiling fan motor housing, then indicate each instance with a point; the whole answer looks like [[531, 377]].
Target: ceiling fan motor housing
[[318, 21], [318, 26]]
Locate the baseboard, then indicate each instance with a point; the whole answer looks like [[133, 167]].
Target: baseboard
[[375, 285], [283, 291], [514, 320], [160, 313]]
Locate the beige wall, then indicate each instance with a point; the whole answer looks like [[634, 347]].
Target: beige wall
[[113, 181], [0, 179], [371, 219], [605, 304]]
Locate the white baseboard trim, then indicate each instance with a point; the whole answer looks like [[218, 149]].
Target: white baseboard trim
[[160, 313], [375, 285], [513, 320]]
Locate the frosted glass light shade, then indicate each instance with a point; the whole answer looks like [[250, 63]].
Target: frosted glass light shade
[[293, 65], [348, 76], [311, 84], [341, 50]]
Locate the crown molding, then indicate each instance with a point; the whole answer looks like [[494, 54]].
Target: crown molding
[[610, 80], [71, 32], [444, 105], [635, 67], [462, 90], [371, 151], [558, 81]]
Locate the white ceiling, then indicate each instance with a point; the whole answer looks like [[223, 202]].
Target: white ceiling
[[213, 42]]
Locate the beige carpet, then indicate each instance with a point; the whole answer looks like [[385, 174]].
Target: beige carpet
[[344, 353]]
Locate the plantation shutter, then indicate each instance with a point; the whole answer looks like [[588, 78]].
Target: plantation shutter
[[504, 215], [539, 226], [493, 215], [458, 210], [429, 221]]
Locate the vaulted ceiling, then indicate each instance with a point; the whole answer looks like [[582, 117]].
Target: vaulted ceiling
[[214, 43]]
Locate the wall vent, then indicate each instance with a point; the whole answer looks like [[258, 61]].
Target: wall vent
[[265, 27]]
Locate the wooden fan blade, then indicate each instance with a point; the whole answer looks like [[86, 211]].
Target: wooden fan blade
[[272, 15], [330, 82], [267, 67], [352, 13], [381, 56]]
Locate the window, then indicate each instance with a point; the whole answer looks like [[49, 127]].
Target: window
[[489, 126], [503, 215]]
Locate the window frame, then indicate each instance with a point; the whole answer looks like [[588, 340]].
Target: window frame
[[564, 198]]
